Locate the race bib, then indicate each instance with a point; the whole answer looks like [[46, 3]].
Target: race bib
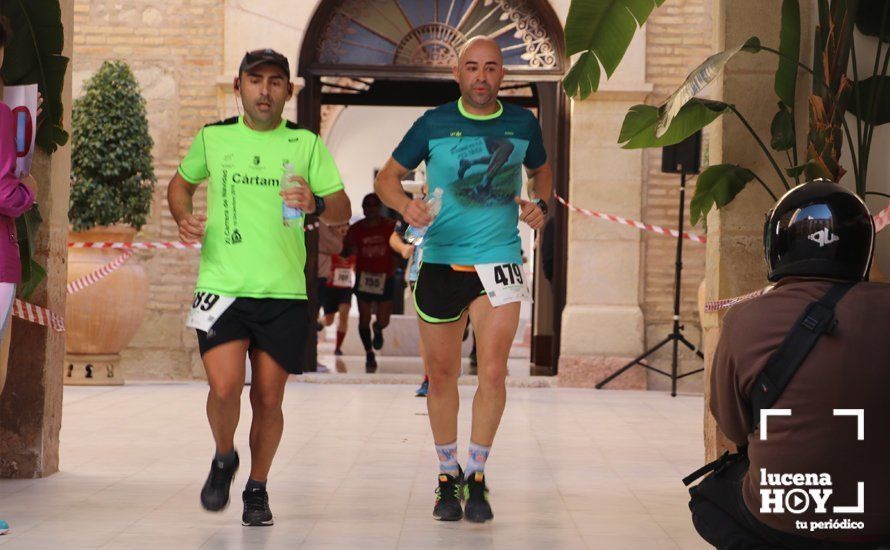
[[372, 283], [206, 309], [504, 283], [342, 278]]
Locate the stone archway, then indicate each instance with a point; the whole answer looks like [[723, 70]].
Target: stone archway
[[351, 45]]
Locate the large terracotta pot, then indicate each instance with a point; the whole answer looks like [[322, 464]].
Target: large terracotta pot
[[100, 320]]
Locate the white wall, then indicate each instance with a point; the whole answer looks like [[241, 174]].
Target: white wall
[[362, 139]]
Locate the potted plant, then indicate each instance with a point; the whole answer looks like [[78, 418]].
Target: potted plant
[[111, 192]]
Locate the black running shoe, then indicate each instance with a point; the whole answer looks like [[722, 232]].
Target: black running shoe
[[256, 508], [370, 362], [215, 493], [449, 493], [378, 337], [338, 352], [477, 509]]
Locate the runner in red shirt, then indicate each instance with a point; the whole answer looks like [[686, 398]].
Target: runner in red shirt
[[338, 296], [368, 241]]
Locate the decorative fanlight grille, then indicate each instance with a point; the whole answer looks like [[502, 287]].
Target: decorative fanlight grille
[[432, 32]]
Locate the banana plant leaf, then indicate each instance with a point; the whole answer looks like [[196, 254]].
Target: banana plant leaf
[[638, 129], [697, 80], [584, 76], [879, 85], [603, 29], [717, 186], [34, 55], [785, 82], [872, 17], [782, 129]]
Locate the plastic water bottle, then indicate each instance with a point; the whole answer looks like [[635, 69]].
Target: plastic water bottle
[[414, 235], [290, 215]]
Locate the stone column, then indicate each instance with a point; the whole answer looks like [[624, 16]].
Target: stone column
[[602, 326], [31, 402], [735, 234]]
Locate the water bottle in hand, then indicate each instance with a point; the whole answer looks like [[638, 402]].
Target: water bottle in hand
[[414, 235], [291, 216]]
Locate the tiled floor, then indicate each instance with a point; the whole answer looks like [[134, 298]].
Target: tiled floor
[[356, 469]]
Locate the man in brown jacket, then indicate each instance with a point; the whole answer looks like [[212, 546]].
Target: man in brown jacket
[[817, 475]]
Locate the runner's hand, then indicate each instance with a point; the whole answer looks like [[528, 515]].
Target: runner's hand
[[417, 213], [407, 251], [300, 196], [530, 213], [191, 228]]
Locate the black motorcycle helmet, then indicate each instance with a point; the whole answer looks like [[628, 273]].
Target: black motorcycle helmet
[[819, 229]]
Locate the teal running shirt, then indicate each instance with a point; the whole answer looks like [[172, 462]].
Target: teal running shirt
[[477, 161]]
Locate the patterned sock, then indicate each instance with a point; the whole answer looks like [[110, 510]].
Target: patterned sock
[[448, 459], [365, 334], [340, 337], [254, 485], [478, 456]]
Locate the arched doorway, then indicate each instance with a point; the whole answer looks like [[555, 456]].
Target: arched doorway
[[399, 53]]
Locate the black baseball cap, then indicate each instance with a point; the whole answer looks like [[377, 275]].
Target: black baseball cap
[[266, 55]]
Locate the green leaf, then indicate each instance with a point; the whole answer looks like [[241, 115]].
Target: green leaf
[[782, 129], [605, 29], [785, 82], [36, 275], [34, 56], [638, 129], [871, 16], [697, 80], [879, 85], [717, 186], [27, 226], [584, 77], [808, 166]]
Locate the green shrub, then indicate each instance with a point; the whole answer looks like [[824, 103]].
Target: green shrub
[[111, 172]]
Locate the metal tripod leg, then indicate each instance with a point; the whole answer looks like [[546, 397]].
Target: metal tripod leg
[[636, 361]]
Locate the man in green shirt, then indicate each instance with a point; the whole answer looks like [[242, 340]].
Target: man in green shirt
[[251, 291]]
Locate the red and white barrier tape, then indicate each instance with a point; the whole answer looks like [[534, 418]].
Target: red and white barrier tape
[[717, 305], [99, 274], [136, 246], [45, 317], [156, 245], [882, 219], [37, 314], [632, 223]]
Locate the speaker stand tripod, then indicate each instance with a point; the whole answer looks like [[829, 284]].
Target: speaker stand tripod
[[675, 337]]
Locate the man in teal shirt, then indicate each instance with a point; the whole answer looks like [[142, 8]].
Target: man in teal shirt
[[474, 149]]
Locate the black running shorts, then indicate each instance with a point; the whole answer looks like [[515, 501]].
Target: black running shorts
[[277, 326], [442, 294], [334, 296]]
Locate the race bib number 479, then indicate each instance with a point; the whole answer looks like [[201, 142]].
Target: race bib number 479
[[504, 283], [206, 309]]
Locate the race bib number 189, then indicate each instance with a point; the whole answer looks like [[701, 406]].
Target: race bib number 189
[[504, 283], [206, 309]]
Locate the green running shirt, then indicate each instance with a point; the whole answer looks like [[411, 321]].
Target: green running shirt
[[247, 250]]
